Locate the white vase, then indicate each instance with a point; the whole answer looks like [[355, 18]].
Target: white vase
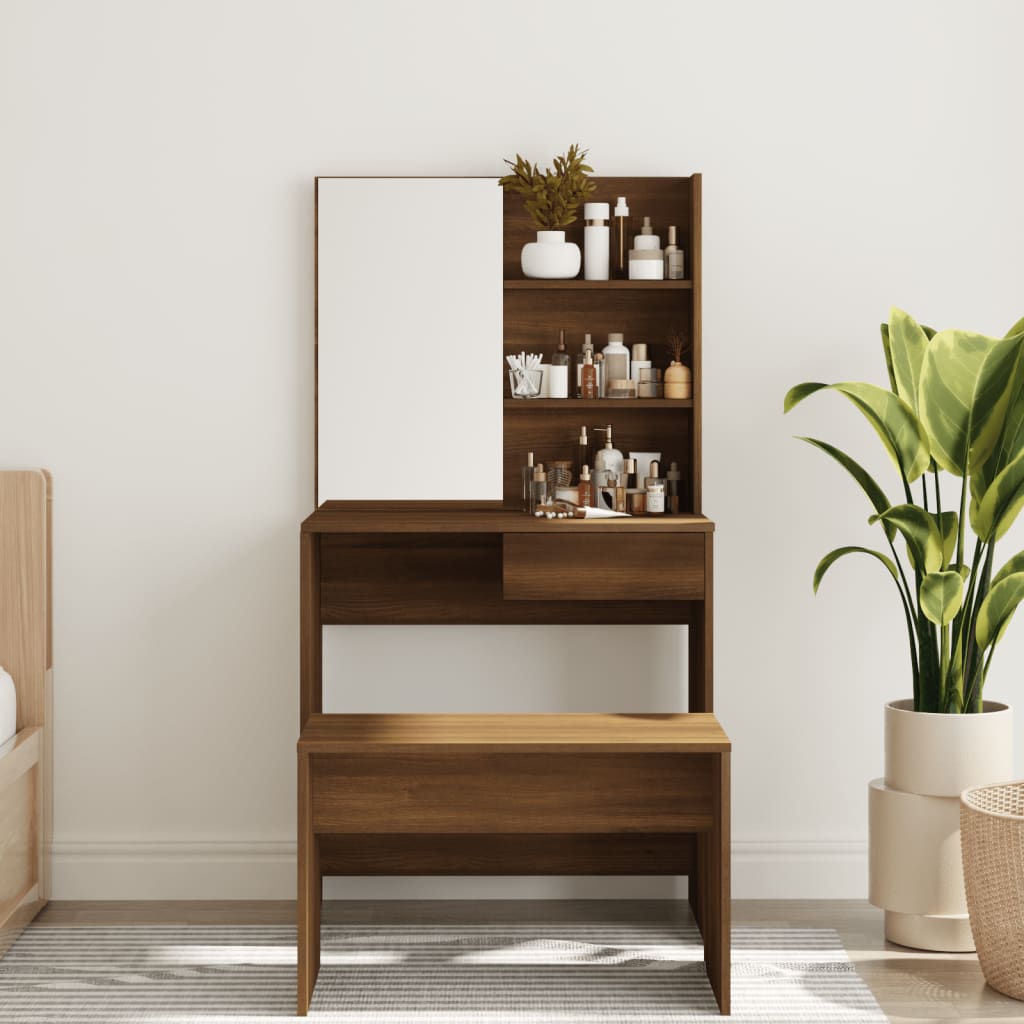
[[551, 257], [915, 865]]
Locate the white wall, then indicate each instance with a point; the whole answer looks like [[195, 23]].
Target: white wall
[[156, 311]]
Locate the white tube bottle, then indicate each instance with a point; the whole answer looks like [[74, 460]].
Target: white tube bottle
[[596, 241]]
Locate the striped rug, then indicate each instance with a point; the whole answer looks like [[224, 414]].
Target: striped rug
[[634, 973]]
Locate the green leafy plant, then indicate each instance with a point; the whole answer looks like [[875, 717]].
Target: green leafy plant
[[955, 405], [552, 196]]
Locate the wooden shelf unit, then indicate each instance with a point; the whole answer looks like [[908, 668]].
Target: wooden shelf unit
[[644, 311], [588, 794]]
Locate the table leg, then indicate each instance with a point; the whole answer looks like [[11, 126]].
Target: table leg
[[717, 891], [310, 892]]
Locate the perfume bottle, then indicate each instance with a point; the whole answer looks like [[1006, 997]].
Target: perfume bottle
[[558, 371], [674, 264], [588, 346], [599, 366], [673, 485], [588, 377], [586, 487], [527, 472], [621, 226], [581, 456], [539, 487], [655, 486]]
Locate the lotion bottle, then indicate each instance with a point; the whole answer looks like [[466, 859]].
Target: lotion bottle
[[558, 371], [595, 241], [621, 226], [616, 361], [608, 462]]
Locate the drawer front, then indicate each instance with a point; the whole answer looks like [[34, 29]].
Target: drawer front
[[606, 566], [520, 793]]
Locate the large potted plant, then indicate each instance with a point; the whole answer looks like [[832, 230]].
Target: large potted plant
[[952, 422], [552, 198]]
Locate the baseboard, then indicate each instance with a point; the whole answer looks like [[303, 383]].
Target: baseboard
[[762, 869]]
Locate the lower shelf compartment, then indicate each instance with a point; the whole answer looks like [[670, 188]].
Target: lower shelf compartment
[[515, 854]]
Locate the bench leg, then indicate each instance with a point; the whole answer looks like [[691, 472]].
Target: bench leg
[[695, 881], [309, 895], [715, 879]]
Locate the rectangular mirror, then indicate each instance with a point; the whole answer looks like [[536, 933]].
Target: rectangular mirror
[[409, 339]]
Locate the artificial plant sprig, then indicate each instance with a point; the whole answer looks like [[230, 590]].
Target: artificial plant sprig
[[955, 404], [552, 197]]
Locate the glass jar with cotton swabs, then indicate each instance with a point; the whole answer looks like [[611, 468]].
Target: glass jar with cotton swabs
[[525, 375]]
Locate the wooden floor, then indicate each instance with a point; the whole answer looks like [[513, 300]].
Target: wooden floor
[[910, 986]]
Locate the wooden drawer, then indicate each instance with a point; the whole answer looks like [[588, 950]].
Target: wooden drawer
[[635, 567], [456, 792]]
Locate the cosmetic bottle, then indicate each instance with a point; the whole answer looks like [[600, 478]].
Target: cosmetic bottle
[[595, 241], [621, 225], [558, 371], [586, 487], [638, 362], [608, 462], [673, 485], [620, 493], [636, 502], [539, 487], [629, 472], [589, 377], [599, 366], [655, 487], [527, 481], [616, 360], [581, 455], [674, 268], [646, 259], [588, 346]]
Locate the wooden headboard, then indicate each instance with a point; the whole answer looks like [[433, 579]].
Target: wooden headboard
[[26, 652]]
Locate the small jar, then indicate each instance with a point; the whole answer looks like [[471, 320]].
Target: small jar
[[636, 502], [559, 475], [650, 385]]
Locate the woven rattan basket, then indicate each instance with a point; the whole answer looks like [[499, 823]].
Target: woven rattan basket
[[992, 836]]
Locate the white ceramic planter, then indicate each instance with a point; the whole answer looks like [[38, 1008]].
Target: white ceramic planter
[[915, 866], [551, 257]]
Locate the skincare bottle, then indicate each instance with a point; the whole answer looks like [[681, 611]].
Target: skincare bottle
[[608, 462], [621, 224], [527, 481], [539, 487], [586, 487], [639, 361], [629, 472], [581, 456], [599, 366], [673, 484], [674, 268], [588, 387], [646, 259], [620, 493], [588, 346], [595, 241], [616, 360], [655, 486], [558, 371]]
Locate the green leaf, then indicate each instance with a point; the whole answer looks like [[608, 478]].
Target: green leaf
[[1017, 328], [867, 483], [947, 525], [887, 349], [924, 543], [962, 396], [908, 344], [893, 421], [997, 510], [942, 594], [997, 609], [1010, 441], [1014, 564], [833, 556]]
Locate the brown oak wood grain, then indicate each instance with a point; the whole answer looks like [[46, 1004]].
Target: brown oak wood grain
[[457, 791], [507, 854], [651, 566], [497, 733]]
